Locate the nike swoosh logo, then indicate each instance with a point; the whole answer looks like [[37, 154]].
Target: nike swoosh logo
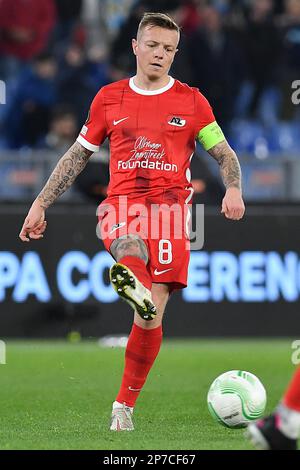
[[134, 389], [157, 273], [115, 227], [120, 120]]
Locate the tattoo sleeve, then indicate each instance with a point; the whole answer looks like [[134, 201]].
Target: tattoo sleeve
[[229, 165], [64, 174]]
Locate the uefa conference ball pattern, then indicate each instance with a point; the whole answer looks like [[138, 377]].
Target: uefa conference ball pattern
[[236, 398]]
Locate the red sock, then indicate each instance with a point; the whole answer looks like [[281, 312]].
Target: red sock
[[292, 395], [142, 348], [138, 267]]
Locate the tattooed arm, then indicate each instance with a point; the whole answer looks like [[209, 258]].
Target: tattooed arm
[[62, 177], [229, 164], [64, 174], [232, 204]]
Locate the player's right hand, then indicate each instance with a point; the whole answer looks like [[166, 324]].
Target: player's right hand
[[34, 224]]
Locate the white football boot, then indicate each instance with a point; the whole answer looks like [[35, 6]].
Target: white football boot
[[127, 286], [121, 419]]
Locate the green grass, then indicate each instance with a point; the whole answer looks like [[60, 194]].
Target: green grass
[[58, 395]]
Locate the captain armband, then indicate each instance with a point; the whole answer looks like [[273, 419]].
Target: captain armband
[[211, 135]]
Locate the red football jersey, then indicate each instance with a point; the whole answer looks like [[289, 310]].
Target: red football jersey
[[151, 134]]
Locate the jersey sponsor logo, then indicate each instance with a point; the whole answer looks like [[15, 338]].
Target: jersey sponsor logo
[[157, 273], [145, 149], [117, 226], [120, 120], [147, 164], [177, 121], [148, 155]]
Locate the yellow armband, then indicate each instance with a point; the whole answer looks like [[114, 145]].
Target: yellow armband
[[210, 135]]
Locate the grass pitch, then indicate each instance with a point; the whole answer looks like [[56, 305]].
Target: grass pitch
[[58, 395]]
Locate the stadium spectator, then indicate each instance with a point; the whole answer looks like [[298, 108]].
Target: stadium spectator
[[289, 24], [260, 95], [63, 129], [192, 16], [30, 109], [115, 13], [25, 27], [93, 18], [217, 63], [75, 86], [98, 69], [68, 17]]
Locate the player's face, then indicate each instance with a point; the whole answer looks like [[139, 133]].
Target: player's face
[[155, 49]]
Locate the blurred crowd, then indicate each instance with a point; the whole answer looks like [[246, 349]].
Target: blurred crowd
[[243, 55]]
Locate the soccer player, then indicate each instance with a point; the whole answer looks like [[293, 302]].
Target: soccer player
[[281, 430], [152, 122]]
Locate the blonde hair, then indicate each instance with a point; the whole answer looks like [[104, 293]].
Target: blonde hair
[[158, 19]]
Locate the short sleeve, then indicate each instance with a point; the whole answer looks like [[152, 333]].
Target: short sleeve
[[204, 112], [207, 131], [94, 131]]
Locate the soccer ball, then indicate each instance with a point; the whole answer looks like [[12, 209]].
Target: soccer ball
[[236, 398]]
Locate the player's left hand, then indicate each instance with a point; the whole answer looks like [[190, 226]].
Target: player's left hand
[[233, 205]]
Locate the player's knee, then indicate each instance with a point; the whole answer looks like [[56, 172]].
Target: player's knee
[[160, 296], [129, 246], [160, 307]]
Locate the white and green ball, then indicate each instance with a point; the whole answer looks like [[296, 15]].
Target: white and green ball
[[236, 398]]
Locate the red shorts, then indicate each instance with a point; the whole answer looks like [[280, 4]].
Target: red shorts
[[164, 229]]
